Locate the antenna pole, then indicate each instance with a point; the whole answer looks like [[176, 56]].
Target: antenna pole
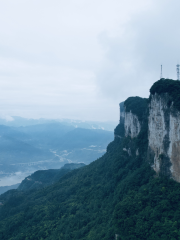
[[161, 72], [177, 69]]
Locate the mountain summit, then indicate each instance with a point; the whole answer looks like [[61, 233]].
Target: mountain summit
[[160, 116]]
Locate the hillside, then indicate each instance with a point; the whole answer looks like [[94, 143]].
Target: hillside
[[6, 188], [81, 205], [43, 178], [115, 194], [120, 193]]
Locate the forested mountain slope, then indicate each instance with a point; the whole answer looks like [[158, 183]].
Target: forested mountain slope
[[6, 188], [43, 178], [119, 193]]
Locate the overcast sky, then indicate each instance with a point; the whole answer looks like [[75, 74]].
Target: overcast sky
[[79, 58]]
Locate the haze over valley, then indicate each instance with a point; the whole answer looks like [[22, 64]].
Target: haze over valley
[[48, 144], [89, 120]]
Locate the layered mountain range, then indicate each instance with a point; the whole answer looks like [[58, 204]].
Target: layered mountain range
[[30, 148], [131, 192]]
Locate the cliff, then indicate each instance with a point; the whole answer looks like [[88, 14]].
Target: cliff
[[132, 116], [164, 128], [135, 108], [160, 117]]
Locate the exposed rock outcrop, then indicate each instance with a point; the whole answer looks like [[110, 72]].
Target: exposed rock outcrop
[[131, 124], [131, 117], [164, 136], [155, 121], [134, 110]]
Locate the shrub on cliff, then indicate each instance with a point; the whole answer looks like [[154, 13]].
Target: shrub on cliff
[[137, 106], [119, 130], [172, 87]]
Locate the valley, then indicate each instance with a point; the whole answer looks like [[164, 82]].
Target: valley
[[27, 149]]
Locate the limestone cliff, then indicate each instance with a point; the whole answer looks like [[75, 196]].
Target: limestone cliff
[[132, 125], [164, 134], [131, 117], [155, 121], [129, 124], [134, 109]]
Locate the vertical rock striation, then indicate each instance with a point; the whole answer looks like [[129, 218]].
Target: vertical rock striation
[[131, 117], [132, 125], [156, 124], [134, 111], [164, 136]]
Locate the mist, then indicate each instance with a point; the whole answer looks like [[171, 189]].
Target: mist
[[78, 60]]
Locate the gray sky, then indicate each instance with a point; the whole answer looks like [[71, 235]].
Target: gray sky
[[79, 58]]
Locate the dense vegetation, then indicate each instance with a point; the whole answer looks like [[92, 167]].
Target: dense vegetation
[[169, 86], [137, 106], [119, 130], [43, 178], [81, 205], [6, 188], [116, 194]]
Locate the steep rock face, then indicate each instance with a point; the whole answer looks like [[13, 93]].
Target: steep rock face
[[164, 136], [135, 111], [129, 124], [132, 125]]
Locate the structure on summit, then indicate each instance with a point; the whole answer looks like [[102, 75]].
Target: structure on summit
[[161, 73], [177, 69]]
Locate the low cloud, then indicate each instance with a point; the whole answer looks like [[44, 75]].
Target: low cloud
[[6, 118], [133, 57], [79, 59], [13, 179]]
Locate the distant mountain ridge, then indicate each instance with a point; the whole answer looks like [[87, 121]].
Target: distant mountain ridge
[[43, 178], [48, 146], [15, 121], [6, 188]]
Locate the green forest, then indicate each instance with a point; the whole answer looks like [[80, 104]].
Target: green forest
[[137, 106], [169, 86], [118, 193]]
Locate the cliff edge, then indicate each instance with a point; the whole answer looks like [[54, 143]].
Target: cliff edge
[[164, 128], [159, 118]]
